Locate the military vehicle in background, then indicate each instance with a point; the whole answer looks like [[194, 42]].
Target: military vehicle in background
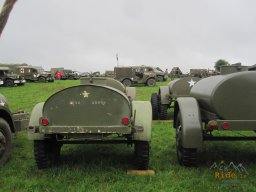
[[91, 74], [66, 74], [252, 68], [10, 124], [135, 75], [30, 73], [223, 103], [85, 74], [100, 110], [237, 67], [160, 74], [163, 100], [175, 73], [96, 74], [201, 73], [9, 79], [110, 74], [55, 70], [34, 73]]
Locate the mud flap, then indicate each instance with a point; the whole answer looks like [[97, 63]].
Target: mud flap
[[142, 111], [131, 92], [192, 134], [164, 94], [34, 123]]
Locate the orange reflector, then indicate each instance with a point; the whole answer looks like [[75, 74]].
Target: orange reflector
[[213, 124], [45, 121], [125, 121], [225, 125]]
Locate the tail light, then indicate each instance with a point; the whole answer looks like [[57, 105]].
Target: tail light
[[45, 121], [225, 125], [125, 121], [212, 125]]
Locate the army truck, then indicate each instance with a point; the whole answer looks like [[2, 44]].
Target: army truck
[[224, 103], [252, 68], [100, 110], [68, 74], [163, 100], [10, 124], [30, 73], [175, 73], [34, 73], [160, 75], [201, 73], [135, 75], [237, 67], [110, 74], [9, 79]]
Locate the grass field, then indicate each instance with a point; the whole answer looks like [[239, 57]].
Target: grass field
[[103, 167]]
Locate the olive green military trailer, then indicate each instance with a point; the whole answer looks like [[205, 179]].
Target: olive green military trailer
[[163, 100], [224, 103], [100, 110], [135, 75], [10, 124]]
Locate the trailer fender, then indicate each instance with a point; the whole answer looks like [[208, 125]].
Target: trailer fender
[[188, 110], [35, 117], [164, 95], [131, 92], [142, 113]]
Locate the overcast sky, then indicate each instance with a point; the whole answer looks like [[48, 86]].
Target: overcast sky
[[85, 35]]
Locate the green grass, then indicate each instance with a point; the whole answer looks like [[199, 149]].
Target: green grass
[[103, 167]]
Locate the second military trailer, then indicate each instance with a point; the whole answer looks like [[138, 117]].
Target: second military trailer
[[163, 100], [224, 103]]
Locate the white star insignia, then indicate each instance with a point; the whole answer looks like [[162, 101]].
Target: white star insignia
[[85, 94], [191, 83]]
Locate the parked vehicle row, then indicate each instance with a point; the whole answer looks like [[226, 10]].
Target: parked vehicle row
[[103, 110]]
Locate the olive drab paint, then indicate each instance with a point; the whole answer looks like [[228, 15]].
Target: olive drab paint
[[217, 103], [99, 110]]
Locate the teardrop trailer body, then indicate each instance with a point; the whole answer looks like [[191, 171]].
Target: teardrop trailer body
[[100, 110], [218, 103], [163, 100]]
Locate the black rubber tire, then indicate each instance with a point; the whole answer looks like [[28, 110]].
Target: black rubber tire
[[41, 79], [186, 156], [9, 83], [127, 82], [5, 141], [151, 82], [71, 77], [47, 153], [160, 78], [142, 155], [154, 104], [163, 112]]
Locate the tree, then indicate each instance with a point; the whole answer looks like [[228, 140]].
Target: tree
[[219, 63], [5, 12]]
